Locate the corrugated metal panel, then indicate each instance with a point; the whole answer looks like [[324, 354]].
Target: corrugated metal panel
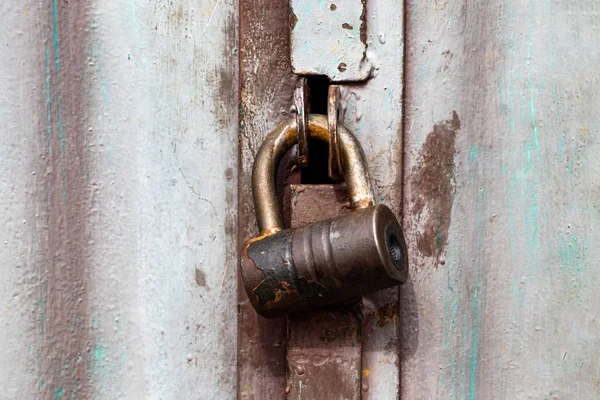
[[502, 200], [118, 199]]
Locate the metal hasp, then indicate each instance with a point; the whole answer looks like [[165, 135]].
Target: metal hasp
[[329, 38], [302, 106], [334, 163], [296, 270], [324, 347]]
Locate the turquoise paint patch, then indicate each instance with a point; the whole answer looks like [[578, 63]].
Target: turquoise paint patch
[[97, 55], [480, 221], [570, 250], [48, 102], [58, 393], [98, 362], [56, 51], [133, 13], [99, 353], [536, 129], [475, 309], [535, 219], [473, 153], [42, 307]]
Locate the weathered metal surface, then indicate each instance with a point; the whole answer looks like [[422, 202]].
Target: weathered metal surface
[[302, 105], [334, 162], [324, 354], [502, 201], [373, 111], [266, 88], [324, 347], [325, 262], [117, 199], [329, 38]]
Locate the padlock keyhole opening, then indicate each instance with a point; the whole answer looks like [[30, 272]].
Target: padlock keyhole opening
[[395, 249]]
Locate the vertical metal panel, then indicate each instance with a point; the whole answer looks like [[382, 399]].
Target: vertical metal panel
[[324, 349], [266, 89], [118, 197], [373, 111], [502, 200], [19, 292]]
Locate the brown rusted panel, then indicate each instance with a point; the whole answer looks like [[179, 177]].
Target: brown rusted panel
[[263, 352], [266, 89], [324, 354], [324, 347], [311, 203]]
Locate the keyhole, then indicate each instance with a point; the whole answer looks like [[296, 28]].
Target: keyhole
[[395, 250]]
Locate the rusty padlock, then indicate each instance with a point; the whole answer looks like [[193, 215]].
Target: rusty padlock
[[326, 262]]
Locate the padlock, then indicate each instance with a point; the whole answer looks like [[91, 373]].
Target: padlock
[[288, 271]]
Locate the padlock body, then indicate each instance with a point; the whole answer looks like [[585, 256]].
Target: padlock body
[[324, 263]]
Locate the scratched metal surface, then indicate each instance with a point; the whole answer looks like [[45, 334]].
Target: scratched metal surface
[[502, 202], [117, 199]]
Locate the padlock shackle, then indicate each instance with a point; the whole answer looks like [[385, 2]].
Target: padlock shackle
[[278, 142]]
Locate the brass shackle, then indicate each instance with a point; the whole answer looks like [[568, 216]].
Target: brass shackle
[[274, 147]]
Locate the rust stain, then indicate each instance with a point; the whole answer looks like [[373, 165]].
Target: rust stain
[[293, 20], [363, 23], [333, 7], [386, 313], [281, 294], [177, 16], [226, 79], [201, 278], [432, 183], [447, 58], [440, 5], [344, 330], [346, 25]]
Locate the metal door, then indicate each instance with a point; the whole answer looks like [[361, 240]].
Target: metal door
[[127, 136]]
